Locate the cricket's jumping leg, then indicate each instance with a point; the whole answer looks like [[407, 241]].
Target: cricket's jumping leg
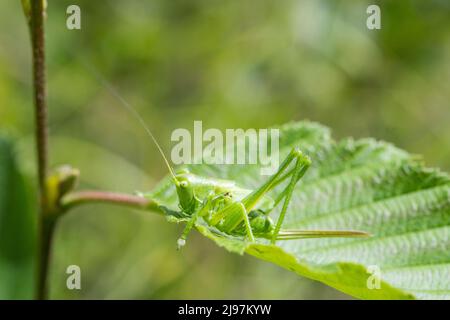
[[301, 166], [302, 163], [252, 199]]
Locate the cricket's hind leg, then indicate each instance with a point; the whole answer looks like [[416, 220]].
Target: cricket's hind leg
[[301, 166], [302, 163]]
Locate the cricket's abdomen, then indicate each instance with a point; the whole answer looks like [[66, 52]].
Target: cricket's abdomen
[[261, 224]]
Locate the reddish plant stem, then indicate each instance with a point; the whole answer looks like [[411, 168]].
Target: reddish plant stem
[[92, 196]]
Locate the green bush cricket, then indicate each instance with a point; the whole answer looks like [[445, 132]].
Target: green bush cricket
[[234, 210], [242, 212]]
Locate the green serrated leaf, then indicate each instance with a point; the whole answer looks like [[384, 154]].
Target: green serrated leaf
[[17, 230], [360, 185]]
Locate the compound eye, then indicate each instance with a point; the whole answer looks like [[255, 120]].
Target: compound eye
[[183, 184]]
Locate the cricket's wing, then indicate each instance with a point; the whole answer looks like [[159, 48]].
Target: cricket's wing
[[304, 234]]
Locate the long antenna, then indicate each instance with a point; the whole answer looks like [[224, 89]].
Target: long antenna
[[132, 110]]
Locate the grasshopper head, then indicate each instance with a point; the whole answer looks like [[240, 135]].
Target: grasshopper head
[[185, 191]]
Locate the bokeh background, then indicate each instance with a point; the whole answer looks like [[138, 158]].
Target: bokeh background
[[231, 64]]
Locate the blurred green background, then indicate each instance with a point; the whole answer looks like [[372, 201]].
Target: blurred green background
[[231, 64]]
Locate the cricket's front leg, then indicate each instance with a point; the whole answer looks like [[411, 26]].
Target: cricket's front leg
[[203, 210]]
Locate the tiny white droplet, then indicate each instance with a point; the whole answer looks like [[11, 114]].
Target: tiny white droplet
[[181, 243]]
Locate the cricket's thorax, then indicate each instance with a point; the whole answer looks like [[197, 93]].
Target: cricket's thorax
[[193, 189]]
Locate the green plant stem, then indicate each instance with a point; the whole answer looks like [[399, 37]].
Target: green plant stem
[[45, 229], [92, 196]]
